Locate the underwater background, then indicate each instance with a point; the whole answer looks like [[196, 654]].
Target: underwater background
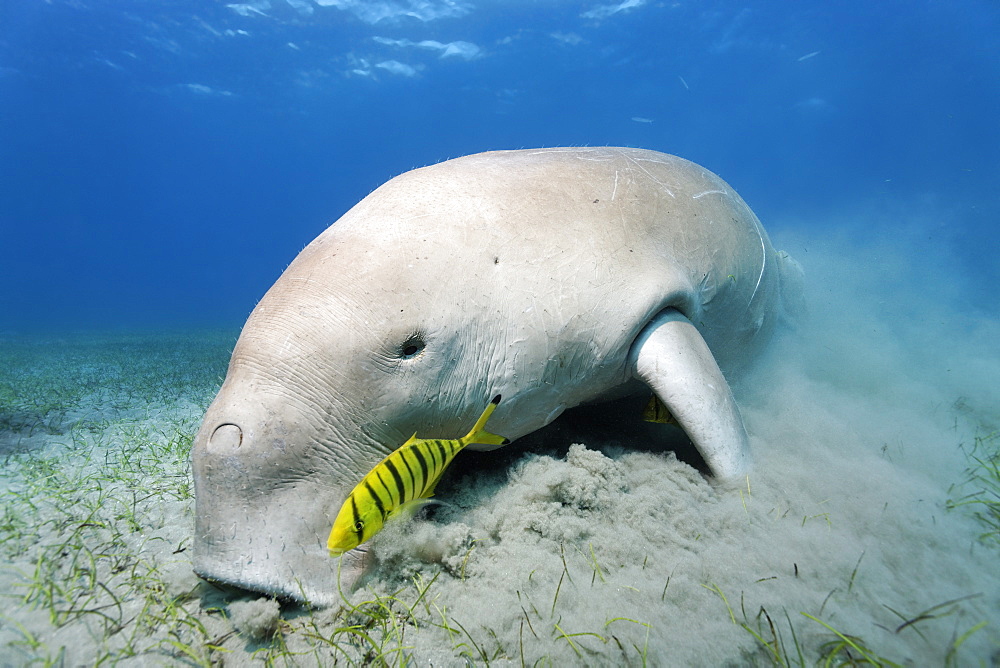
[[161, 163]]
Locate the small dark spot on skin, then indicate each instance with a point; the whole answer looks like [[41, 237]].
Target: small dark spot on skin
[[496, 259], [596, 201]]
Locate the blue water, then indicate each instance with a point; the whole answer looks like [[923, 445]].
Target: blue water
[[161, 161]]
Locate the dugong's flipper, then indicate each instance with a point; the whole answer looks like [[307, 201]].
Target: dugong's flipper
[[672, 358]]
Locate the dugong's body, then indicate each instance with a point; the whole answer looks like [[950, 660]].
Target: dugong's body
[[553, 277]]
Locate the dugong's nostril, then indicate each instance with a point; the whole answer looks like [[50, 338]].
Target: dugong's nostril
[[225, 439]]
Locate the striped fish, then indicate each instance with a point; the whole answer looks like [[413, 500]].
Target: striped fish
[[400, 483], [655, 411]]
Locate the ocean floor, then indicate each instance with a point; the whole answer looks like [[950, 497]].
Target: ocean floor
[[867, 533]]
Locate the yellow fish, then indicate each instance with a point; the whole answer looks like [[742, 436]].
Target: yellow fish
[[655, 411], [400, 482]]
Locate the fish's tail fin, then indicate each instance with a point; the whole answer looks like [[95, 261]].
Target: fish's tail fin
[[479, 433]]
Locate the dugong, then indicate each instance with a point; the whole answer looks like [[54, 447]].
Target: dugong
[[554, 277]]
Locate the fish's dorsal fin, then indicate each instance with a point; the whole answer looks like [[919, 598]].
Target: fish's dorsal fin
[[410, 441]]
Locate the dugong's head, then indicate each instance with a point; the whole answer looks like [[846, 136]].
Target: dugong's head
[[376, 331]]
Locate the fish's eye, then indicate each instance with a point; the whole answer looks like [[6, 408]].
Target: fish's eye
[[359, 525], [411, 347]]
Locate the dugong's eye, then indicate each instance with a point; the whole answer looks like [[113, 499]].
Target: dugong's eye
[[411, 347]]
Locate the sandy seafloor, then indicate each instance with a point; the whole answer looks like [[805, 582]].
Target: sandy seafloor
[[585, 545]]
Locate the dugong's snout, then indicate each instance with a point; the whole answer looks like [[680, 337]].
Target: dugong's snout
[[260, 524]]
